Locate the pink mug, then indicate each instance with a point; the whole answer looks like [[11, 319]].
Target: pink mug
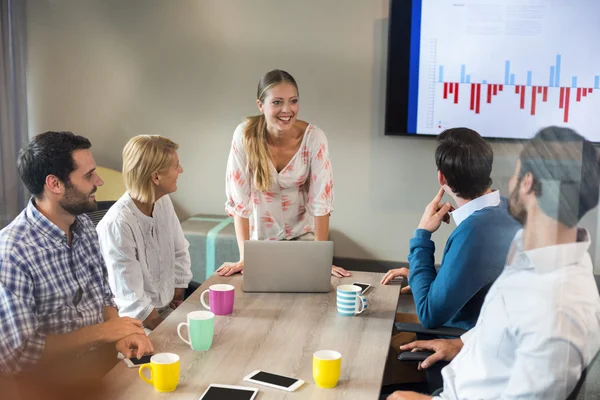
[[221, 299]]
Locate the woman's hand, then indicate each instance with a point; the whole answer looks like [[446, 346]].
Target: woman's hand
[[339, 272], [230, 268]]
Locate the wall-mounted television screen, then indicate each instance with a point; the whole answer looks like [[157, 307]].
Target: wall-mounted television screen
[[504, 68]]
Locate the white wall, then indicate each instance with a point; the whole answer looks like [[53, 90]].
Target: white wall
[[188, 69]]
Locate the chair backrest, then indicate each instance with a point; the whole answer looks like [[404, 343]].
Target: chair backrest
[[97, 215], [588, 386]]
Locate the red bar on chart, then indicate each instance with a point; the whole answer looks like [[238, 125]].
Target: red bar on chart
[[489, 97], [589, 90], [578, 94], [561, 102], [517, 89], [500, 87], [567, 97], [472, 105], [545, 98], [495, 88], [445, 90], [523, 97], [456, 93], [533, 94], [450, 88], [539, 89], [478, 101], [584, 92]]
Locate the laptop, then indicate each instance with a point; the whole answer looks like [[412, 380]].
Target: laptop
[[287, 266]]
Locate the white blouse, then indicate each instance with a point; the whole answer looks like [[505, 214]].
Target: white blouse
[[146, 257], [302, 190]]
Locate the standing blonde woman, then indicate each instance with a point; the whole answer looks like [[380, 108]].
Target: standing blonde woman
[[140, 236], [279, 180]]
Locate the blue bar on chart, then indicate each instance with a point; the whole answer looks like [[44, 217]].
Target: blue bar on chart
[[484, 82], [529, 78], [574, 82], [551, 76], [463, 70], [441, 74], [468, 78], [597, 82], [557, 72], [506, 72], [512, 79]]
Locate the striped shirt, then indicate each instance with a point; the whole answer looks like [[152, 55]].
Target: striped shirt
[[46, 286]]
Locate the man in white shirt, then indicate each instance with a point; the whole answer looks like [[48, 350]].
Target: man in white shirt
[[539, 327]]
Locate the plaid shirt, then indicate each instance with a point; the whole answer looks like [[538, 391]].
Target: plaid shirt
[[47, 287]]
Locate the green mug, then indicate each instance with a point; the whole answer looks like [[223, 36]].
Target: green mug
[[200, 326]]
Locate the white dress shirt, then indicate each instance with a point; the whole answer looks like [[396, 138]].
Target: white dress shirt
[[487, 200], [538, 329], [146, 257]]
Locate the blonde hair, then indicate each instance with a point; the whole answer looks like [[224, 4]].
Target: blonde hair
[[144, 155], [255, 131]]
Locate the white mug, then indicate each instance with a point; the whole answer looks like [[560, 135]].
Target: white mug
[[350, 300]]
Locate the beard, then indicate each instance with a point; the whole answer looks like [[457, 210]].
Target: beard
[[515, 207], [75, 202]]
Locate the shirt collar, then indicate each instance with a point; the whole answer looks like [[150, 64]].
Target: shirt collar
[[549, 258], [487, 200], [48, 228]]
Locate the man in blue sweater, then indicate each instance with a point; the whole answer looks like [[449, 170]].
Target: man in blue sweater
[[475, 252]]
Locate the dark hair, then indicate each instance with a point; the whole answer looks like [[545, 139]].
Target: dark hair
[[49, 153], [466, 160], [566, 173]]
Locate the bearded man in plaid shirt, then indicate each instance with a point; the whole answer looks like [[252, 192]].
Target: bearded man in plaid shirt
[[55, 300]]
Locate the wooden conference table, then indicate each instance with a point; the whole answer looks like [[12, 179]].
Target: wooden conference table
[[278, 333]]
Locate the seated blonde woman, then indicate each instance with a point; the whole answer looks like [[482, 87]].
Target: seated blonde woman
[[140, 236]]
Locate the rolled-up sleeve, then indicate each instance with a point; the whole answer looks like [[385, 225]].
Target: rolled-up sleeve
[[320, 192], [238, 179], [183, 264], [124, 270], [21, 344]]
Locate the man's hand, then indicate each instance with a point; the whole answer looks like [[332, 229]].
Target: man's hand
[[339, 272], [408, 396], [394, 274], [436, 213], [177, 298], [117, 328], [229, 268], [445, 350], [135, 346]]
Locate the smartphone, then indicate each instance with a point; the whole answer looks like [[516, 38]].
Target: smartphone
[[228, 392], [134, 362], [363, 286], [274, 381]]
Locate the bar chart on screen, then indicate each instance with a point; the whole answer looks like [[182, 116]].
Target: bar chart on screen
[[528, 95], [506, 67]]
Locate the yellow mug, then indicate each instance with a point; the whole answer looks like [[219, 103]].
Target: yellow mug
[[164, 372], [327, 366]]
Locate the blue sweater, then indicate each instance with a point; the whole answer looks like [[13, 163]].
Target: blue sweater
[[473, 258]]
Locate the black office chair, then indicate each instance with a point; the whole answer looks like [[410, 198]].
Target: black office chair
[[588, 386], [433, 374], [97, 215], [425, 334]]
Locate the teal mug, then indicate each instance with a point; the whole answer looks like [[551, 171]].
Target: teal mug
[[200, 326]]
